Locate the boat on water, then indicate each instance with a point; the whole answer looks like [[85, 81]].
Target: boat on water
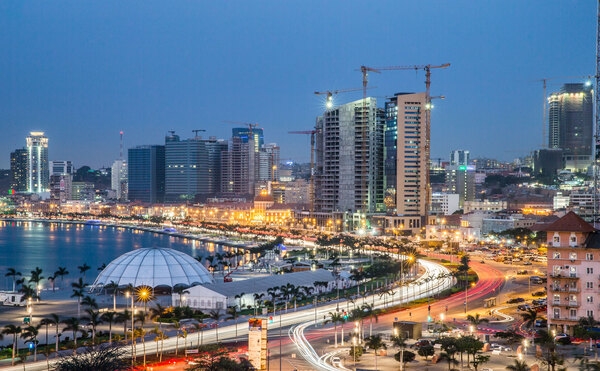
[[169, 230], [93, 222]]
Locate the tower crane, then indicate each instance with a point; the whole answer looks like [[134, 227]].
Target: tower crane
[[427, 68], [331, 93], [312, 134], [196, 131]]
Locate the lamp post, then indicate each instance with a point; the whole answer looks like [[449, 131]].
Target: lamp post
[[354, 350], [128, 294]]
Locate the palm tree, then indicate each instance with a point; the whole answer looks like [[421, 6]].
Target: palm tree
[[216, 315], [375, 342], [78, 288], [94, 318], [36, 277], [239, 298], [476, 320], [83, 268], [180, 290], [159, 336], [61, 272], [233, 314], [336, 318], [112, 285], [370, 312], [518, 366], [89, 302], [52, 279], [529, 318], [123, 317], [30, 333], [109, 317], [14, 331], [14, 274], [52, 320], [72, 324]]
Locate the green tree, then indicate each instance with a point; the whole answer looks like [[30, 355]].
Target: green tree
[[110, 317], [404, 356], [36, 278], [78, 290], [72, 324], [102, 359], [94, 318], [518, 365], [375, 342], [14, 274], [30, 334], [335, 318], [426, 351], [61, 272], [14, 331], [479, 359], [83, 268], [216, 315], [476, 320], [529, 318]]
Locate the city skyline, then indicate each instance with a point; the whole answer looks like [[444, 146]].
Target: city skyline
[[81, 73]]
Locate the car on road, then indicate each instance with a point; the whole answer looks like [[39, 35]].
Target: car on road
[[527, 263], [522, 271], [558, 337], [539, 301], [523, 307], [499, 347], [336, 361], [539, 293], [541, 323], [515, 300]]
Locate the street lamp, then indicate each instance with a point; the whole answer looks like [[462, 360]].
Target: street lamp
[[128, 294]]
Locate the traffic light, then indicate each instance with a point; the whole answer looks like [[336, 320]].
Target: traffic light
[[270, 319], [429, 308], [345, 315]]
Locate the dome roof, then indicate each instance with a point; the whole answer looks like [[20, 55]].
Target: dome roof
[[154, 267]]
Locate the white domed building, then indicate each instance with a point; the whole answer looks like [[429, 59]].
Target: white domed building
[[154, 267]]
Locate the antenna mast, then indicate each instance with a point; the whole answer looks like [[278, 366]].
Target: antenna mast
[[121, 146], [597, 117]]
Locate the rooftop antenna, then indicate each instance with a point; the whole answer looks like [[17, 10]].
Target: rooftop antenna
[[121, 146]]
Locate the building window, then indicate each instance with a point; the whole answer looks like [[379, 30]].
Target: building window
[[590, 313], [573, 272], [590, 299], [556, 240], [589, 285], [573, 256], [573, 313], [589, 270], [589, 256], [556, 313], [556, 255]]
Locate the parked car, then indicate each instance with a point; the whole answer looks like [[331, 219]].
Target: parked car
[[522, 271], [420, 343], [527, 263], [523, 307], [515, 300], [539, 293], [541, 323]]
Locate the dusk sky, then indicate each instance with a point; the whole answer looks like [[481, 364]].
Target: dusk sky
[[81, 71]]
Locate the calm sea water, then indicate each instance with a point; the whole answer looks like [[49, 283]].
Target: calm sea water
[[25, 245]]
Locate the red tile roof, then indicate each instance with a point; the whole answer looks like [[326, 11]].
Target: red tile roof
[[570, 223]]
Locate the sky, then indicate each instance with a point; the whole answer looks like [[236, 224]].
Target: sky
[[82, 71]]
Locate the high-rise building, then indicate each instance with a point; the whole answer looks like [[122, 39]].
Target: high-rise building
[[61, 180], [459, 157], [193, 167], [38, 174], [406, 121], [268, 165], [118, 179], [146, 173], [460, 179], [571, 123], [238, 168], [349, 159], [250, 133], [18, 170]]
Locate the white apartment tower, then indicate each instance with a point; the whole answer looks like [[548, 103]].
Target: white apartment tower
[[38, 171], [349, 158]]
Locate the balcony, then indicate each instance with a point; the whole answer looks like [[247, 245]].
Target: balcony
[[563, 275]]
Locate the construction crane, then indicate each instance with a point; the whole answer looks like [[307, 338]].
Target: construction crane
[[427, 68], [311, 191], [597, 118], [331, 93], [196, 131], [251, 126]]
